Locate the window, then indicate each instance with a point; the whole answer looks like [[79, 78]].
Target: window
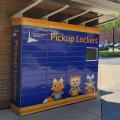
[[91, 54]]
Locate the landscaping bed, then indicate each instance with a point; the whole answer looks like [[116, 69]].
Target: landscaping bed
[[109, 54]]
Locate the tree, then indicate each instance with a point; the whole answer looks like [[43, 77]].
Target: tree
[[111, 25]]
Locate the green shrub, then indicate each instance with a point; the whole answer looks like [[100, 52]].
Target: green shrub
[[109, 54]]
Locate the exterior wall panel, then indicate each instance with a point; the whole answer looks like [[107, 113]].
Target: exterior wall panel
[[5, 60]]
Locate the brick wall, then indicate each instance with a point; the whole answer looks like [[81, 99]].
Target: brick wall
[[107, 35], [5, 60], [10, 7], [117, 34], [7, 8]]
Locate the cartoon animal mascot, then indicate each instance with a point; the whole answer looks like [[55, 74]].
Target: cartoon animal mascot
[[75, 82], [90, 88], [57, 90]]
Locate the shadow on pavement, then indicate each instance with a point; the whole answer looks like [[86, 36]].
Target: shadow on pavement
[[102, 92], [109, 110]]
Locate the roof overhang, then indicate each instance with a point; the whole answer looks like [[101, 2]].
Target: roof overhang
[[83, 12]]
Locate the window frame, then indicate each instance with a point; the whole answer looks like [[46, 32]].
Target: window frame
[[96, 53]]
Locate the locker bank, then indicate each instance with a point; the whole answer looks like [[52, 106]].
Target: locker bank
[[54, 64]]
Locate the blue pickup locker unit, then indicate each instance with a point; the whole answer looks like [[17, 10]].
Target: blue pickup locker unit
[[54, 64]]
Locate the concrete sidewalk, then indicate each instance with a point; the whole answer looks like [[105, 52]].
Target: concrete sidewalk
[[110, 61], [109, 76], [109, 83], [87, 110]]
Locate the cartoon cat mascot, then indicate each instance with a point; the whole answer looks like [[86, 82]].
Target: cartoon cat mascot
[[75, 82], [90, 88], [57, 90]]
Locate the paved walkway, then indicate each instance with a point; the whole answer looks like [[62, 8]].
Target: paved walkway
[[109, 83], [112, 61], [87, 110]]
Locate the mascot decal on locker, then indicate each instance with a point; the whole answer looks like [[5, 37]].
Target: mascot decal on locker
[[57, 90], [90, 88], [75, 82]]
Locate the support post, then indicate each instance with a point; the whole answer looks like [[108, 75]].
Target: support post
[[113, 37]]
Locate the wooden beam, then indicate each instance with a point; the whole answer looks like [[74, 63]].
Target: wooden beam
[[83, 23], [75, 16], [20, 13], [55, 12]]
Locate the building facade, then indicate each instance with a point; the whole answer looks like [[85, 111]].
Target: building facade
[[69, 11], [108, 35]]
